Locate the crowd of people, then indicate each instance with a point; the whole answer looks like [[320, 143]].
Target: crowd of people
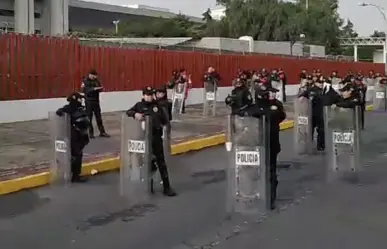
[[254, 95]]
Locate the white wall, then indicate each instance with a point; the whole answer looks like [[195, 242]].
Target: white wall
[[25, 110], [378, 56]]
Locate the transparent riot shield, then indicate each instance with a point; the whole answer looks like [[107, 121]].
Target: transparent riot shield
[[135, 159], [209, 98], [342, 137], [61, 138], [303, 140], [278, 85], [370, 83], [247, 175], [178, 97], [379, 103], [167, 137]]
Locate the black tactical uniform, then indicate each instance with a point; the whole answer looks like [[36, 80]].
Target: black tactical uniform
[[79, 132], [159, 119], [240, 97], [315, 94], [91, 87], [360, 91], [164, 102], [274, 111], [350, 101]]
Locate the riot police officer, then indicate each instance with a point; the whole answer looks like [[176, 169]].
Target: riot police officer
[[315, 93], [79, 132], [240, 96], [163, 101], [149, 106], [91, 88], [360, 91], [266, 104]]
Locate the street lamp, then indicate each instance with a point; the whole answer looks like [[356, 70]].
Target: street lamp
[[383, 12], [116, 25]]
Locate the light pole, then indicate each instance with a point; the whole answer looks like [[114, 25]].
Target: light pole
[[383, 12], [116, 25]]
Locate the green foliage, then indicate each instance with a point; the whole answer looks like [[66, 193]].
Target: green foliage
[[271, 20]]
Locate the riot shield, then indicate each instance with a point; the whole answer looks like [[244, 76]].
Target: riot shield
[[178, 97], [278, 85], [135, 159], [342, 137], [247, 175], [303, 140], [379, 103], [61, 138], [209, 98], [167, 137], [370, 83]]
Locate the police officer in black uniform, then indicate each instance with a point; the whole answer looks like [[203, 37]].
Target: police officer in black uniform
[[315, 94], [79, 132], [240, 96], [161, 95], [149, 106], [91, 87], [360, 91], [267, 104]]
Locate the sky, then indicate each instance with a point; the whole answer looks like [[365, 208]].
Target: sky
[[365, 19]]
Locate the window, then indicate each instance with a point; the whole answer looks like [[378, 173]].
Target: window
[[12, 13]]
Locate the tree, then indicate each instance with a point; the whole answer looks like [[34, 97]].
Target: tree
[[378, 34]]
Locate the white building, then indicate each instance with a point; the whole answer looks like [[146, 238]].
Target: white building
[[218, 13], [56, 17]]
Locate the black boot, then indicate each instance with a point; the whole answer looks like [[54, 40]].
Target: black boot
[[152, 188], [78, 179], [273, 195], [168, 191]]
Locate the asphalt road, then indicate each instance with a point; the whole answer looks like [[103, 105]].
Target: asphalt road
[[311, 214]]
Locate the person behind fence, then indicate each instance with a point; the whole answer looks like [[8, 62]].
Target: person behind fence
[[266, 104], [149, 106], [91, 88], [315, 94], [240, 96], [303, 75], [163, 101], [79, 132]]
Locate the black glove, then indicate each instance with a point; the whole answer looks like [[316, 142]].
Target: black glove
[[59, 113]]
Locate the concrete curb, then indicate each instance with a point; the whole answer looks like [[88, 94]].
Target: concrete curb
[[32, 181]]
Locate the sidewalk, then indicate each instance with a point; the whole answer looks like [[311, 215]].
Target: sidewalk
[[26, 149]]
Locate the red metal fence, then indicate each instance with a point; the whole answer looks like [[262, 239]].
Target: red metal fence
[[34, 67]]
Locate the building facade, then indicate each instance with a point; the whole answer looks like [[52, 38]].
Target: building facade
[[57, 17]]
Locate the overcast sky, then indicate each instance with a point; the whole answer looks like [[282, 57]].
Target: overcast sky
[[365, 19]]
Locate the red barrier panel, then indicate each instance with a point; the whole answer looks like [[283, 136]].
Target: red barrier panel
[[46, 67]]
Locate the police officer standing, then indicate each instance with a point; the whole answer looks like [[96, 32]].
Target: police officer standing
[[149, 106], [267, 104], [315, 94], [163, 101], [91, 87], [240, 97], [79, 133]]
